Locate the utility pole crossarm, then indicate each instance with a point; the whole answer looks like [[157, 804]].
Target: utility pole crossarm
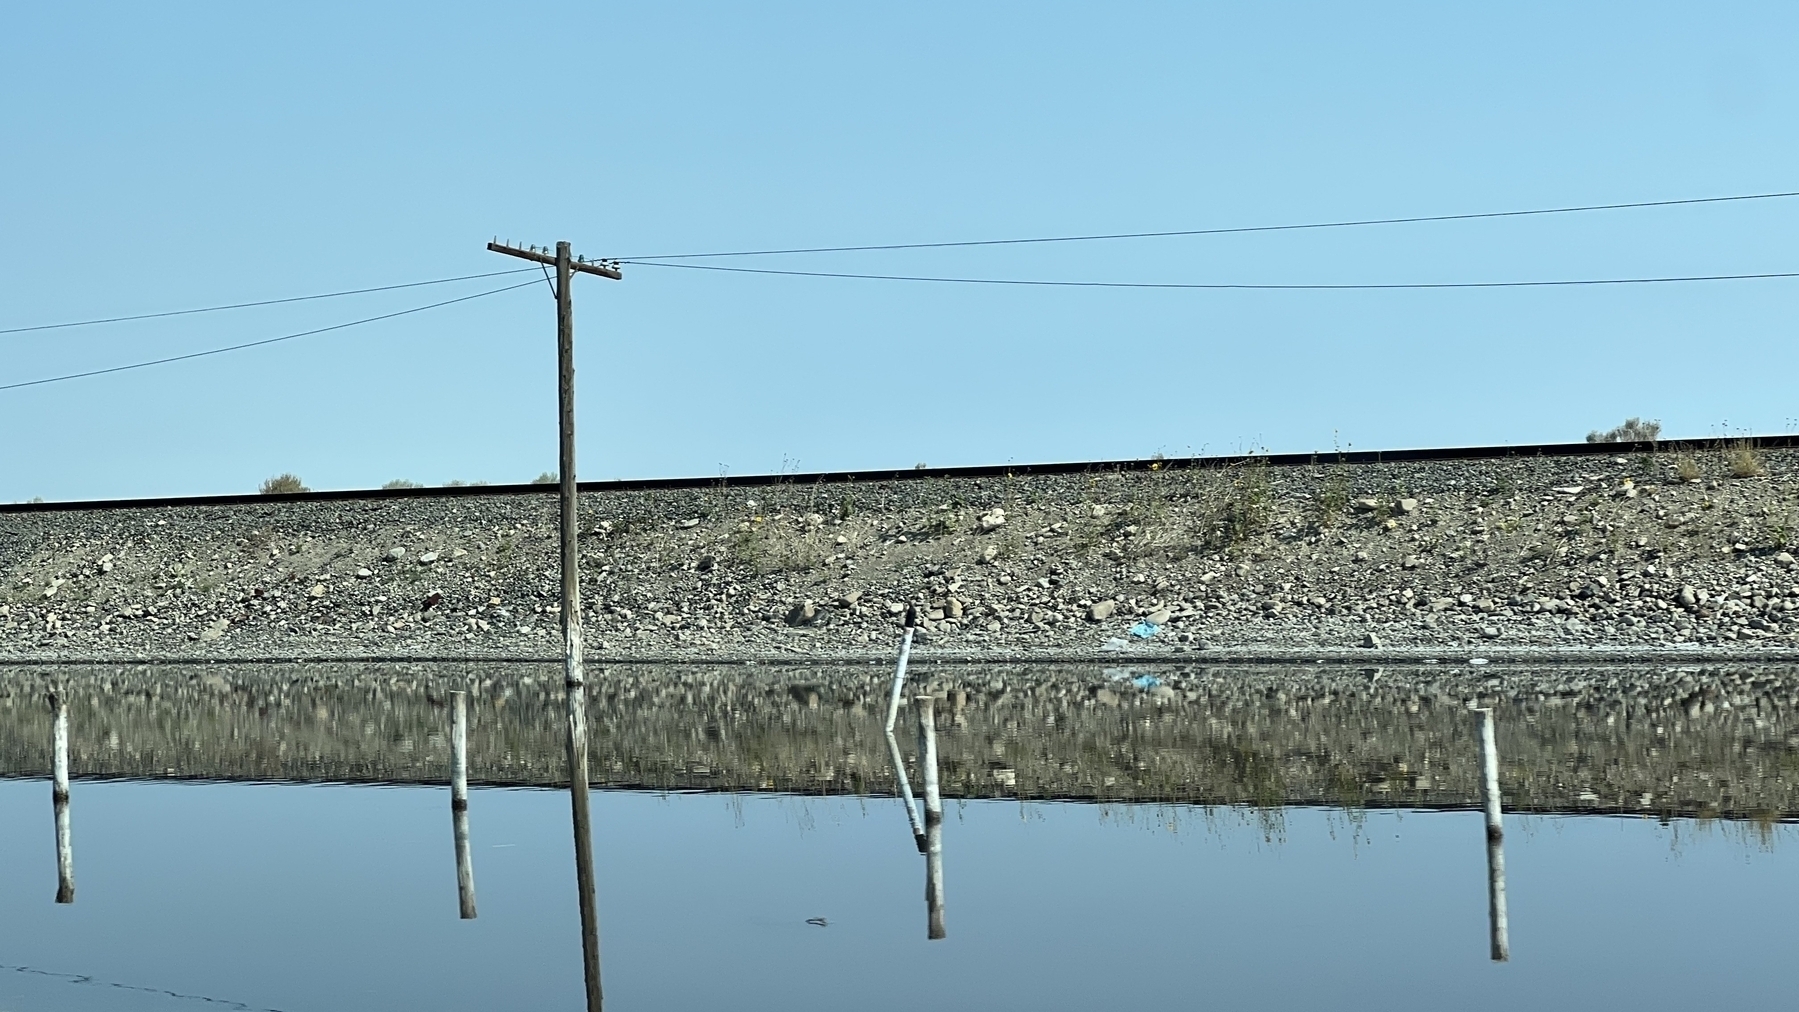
[[602, 268]]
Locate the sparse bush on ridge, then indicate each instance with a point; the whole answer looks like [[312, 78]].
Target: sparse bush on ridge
[[402, 483], [546, 478], [284, 484], [1634, 430]]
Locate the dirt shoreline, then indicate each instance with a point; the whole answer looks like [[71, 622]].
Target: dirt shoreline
[[1678, 555]]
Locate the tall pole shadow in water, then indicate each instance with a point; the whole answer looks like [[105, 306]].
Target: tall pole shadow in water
[[933, 815], [1497, 929], [465, 869], [583, 825], [59, 798]]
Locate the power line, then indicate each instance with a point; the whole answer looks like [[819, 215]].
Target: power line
[[258, 344], [248, 305], [1225, 231], [1248, 287]]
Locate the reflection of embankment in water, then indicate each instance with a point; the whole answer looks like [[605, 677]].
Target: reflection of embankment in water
[[1718, 742]]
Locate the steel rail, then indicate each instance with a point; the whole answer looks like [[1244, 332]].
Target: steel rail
[[1415, 455]]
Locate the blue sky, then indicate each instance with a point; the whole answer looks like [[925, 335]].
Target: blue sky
[[180, 155]]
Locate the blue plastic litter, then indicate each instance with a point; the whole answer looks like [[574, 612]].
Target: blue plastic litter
[[1145, 629], [1146, 682]]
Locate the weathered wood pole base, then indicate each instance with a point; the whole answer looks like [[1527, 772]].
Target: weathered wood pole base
[[59, 799], [933, 815], [1498, 932], [465, 866]]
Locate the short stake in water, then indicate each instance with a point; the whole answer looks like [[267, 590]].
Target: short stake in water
[[59, 798], [1489, 795], [465, 868], [933, 814], [893, 749]]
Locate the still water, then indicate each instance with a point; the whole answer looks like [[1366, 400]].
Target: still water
[[213, 870]]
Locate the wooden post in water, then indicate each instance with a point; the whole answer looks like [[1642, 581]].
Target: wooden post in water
[[59, 798], [893, 749], [465, 868], [933, 814], [1489, 796]]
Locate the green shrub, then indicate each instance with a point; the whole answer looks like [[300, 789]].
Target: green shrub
[[284, 484], [1634, 430]]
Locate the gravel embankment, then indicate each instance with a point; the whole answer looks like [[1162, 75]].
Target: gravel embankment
[[1541, 555], [1721, 741]]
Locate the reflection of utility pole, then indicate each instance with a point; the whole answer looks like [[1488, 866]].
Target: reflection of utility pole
[[574, 677], [933, 814], [1489, 796], [59, 798], [465, 869]]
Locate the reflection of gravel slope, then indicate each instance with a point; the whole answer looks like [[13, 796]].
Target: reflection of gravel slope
[[1655, 741]]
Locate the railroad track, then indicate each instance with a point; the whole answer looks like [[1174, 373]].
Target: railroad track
[[1449, 453]]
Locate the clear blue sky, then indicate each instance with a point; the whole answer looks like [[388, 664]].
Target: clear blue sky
[[177, 155]]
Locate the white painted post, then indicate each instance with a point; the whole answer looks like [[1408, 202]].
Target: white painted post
[[899, 679], [1489, 794], [933, 815], [59, 799], [465, 868]]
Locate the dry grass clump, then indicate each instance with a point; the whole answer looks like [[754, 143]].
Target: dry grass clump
[[1243, 510], [1743, 461], [1686, 466], [284, 484], [766, 547], [1332, 498]]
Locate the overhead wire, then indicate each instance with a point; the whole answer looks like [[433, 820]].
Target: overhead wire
[[264, 302], [1414, 219], [658, 261], [1555, 283], [261, 343]]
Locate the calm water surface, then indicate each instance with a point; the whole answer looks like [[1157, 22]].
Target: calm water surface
[[296, 896]]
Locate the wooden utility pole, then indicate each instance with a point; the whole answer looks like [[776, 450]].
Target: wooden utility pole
[[574, 677]]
